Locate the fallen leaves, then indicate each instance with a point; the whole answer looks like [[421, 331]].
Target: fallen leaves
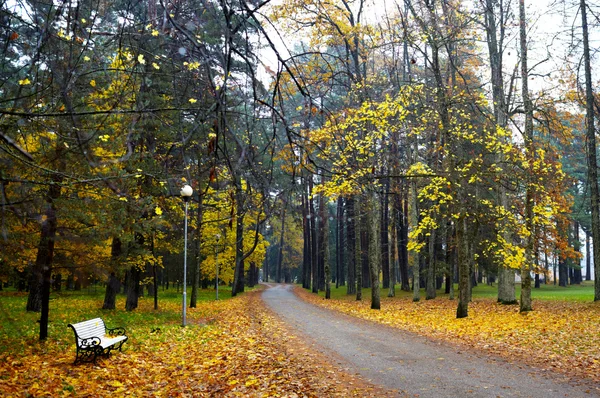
[[560, 336], [230, 348]]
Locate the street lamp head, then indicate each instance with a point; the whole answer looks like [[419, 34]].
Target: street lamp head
[[186, 192]]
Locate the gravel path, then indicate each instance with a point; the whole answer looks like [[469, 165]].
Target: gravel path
[[400, 360]]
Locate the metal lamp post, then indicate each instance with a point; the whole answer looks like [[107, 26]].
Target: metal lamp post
[[217, 236], [186, 194]]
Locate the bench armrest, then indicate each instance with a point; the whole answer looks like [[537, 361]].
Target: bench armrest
[[116, 332], [89, 342]]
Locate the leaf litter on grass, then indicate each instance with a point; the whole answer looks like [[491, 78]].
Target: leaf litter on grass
[[241, 351]]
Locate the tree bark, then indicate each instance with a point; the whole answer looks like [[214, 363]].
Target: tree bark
[[112, 288], [588, 265], [323, 241], [314, 242], [462, 310], [339, 280], [525, 304], [592, 173], [384, 237], [238, 279], [197, 274], [358, 251], [326, 268], [281, 238], [431, 260], [393, 263], [133, 289], [403, 243], [416, 260], [351, 246], [374, 257]]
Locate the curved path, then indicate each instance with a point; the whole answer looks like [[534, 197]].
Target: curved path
[[400, 360]]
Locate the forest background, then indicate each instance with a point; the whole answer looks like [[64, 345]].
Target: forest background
[[434, 145]]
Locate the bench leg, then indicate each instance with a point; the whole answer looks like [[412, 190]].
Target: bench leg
[[88, 355]]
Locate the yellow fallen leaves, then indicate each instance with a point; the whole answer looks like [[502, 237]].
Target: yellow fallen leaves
[[561, 336], [230, 348]]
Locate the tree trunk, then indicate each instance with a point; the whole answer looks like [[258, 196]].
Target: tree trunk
[[374, 258], [393, 263], [326, 268], [403, 243], [323, 241], [449, 260], [358, 251], [364, 244], [133, 289], [351, 246], [238, 278], [462, 310], [592, 174], [430, 291], [530, 153], [416, 260], [314, 242], [281, 238], [588, 265], [196, 274], [385, 251], [339, 280], [307, 252], [577, 246], [113, 286], [41, 279]]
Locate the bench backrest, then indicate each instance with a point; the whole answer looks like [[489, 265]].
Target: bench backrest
[[92, 328]]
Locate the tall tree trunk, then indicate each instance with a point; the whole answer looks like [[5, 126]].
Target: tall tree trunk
[[403, 248], [495, 40], [39, 293], [393, 263], [281, 240], [323, 241], [133, 288], [44, 257], [307, 258], [431, 260], [592, 173], [364, 244], [374, 258], [196, 274], [326, 268], [113, 286], [525, 304], [462, 310], [588, 265], [238, 278], [416, 258], [358, 250], [350, 246], [385, 250], [577, 246], [449, 260], [314, 242], [339, 280]]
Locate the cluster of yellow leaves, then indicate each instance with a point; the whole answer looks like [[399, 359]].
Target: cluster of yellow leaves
[[559, 336], [219, 236], [231, 348]]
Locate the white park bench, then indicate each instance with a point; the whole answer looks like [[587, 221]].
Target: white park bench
[[93, 339]]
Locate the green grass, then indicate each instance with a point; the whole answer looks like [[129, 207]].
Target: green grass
[[581, 293], [20, 329]]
